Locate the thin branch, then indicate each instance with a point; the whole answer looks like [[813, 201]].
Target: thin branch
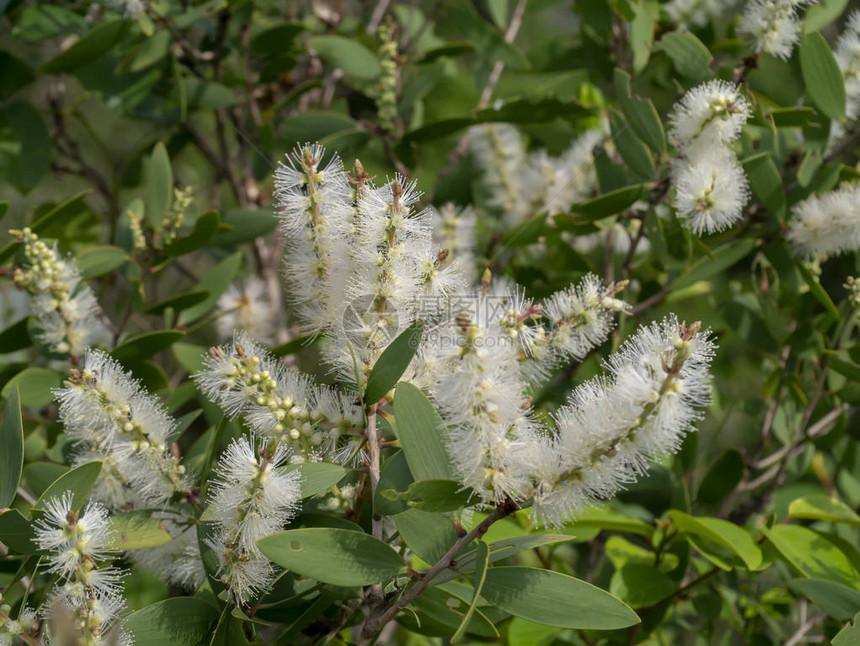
[[376, 623], [376, 520], [499, 66]]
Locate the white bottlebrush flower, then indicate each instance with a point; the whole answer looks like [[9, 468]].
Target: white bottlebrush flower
[[554, 184], [500, 152], [828, 224], [847, 52], [67, 313], [696, 12], [708, 115], [246, 307], [76, 544], [774, 25], [277, 402], [109, 416], [251, 498], [315, 206], [614, 425], [711, 190], [579, 318], [453, 230]]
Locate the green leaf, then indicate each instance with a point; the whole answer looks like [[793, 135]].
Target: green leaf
[[314, 125], [422, 434], [296, 345], [438, 129], [179, 621], [689, 55], [641, 34], [205, 227], [839, 362], [823, 507], [11, 449], [722, 478], [46, 21], [766, 183], [823, 13], [336, 556], [427, 534], [641, 114], [275, 39], [145, 345], [135, 530], [433, 495], [15, 337], [94, 44], [158, 175], [215, 281], [610, 203], [180, 302], [530, 110], [811, 554], [438, 612], [189, 356], [636, 154], [79, 481], [317, 477], [501, 550], [482, 562], [822, 76], [817, 290], [555, 599], [837, 600], [719, 533], [450, 50], [349, 55], [247, 225], [64, 211], [207, 95], [723, 258], [850, 633], [16, 532], [33, 160], [611, 521], [791, 117], [100, 260], [151, 51], [392, 363], [35, 386]]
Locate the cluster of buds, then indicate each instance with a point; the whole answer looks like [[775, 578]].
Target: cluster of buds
[[386, 101], [66, 312], [174, 217], [12, 629]]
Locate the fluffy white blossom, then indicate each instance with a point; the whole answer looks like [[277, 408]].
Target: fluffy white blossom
[[87, 591], [67, 314], [500, 152], [246, 307], [774, 25], [696, 12], [652, 393], [710, 191], [847, 52], [709, 114], [315, 205], [711, 188], [827, 224], [478, 367], [109, 416], [453, 231], [252, 497], [277, 402], [522, 185]]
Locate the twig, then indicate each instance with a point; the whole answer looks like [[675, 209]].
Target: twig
[[376, 520], [375, 623], [377, 16], [499, 66]]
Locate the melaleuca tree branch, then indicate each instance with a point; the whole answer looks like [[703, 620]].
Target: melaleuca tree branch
[[377, 621]]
